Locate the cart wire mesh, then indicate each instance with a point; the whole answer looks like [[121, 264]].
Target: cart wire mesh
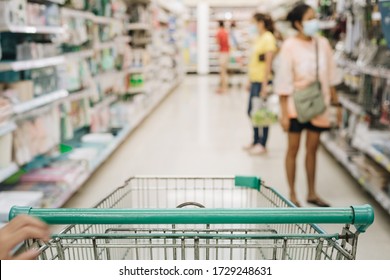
[[143, 238]]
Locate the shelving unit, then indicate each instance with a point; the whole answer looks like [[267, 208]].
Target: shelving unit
[[363, 132], [106, 153], [344, 158], [105, 85], [31, 64], [33, 29]]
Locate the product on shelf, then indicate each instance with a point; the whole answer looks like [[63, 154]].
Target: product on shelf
[[13, 13], [36, 136], [57, 140], [6, 150]]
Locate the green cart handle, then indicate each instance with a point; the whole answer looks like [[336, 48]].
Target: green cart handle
[[361, 216]]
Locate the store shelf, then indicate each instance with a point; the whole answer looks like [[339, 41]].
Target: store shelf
[[40, 101], [5, 173], [106, 153], [33, 29], [105, 102], [365, 69], [342, 157], [88, 16], [59, 2], [377, 156], [31, 64], [74, 96], [7, 128], [350, 105], [138, 26]]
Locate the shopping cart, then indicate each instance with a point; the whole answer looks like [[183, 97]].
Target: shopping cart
[[162, 218]]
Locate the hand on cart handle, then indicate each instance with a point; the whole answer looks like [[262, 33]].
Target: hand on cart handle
[[17, 231]]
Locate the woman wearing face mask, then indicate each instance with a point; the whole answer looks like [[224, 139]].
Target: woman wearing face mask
[[260, 66], [297, 70]]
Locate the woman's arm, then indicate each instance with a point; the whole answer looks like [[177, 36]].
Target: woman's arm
[[269, 56]]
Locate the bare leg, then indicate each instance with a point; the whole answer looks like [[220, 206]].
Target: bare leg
[[312, 143], [292, 152]]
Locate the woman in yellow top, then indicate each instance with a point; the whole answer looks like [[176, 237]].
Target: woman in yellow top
[[260, 65]]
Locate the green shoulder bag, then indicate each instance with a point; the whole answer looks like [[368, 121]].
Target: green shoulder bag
[[309, 102]]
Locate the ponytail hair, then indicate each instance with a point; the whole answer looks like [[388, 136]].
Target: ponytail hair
[[268, 21]]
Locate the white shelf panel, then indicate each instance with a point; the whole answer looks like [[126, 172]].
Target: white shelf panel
[[380, 158], [78, 95], [7, 128], [40, 101], [31, 64], [365, 69], [342, 157], [351, 106], [5, 173], [105, 102], [33, 29]]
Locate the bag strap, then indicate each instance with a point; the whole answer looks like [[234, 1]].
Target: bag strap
[[317, 61]]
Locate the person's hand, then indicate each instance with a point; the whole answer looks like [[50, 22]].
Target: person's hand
[[18, 230], [248, 87], [264, 92], [285, 122]]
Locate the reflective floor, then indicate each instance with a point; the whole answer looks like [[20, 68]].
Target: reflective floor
[[197, 132]]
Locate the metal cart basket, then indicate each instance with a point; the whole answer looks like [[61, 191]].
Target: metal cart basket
[[160, 218]]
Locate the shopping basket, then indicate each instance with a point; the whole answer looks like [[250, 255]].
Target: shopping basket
[[164, 218]]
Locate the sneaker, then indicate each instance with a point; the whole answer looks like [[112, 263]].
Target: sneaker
[[257, 150]]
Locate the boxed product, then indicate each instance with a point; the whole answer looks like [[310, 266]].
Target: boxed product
[[6, 150], [13, 13], [23, 89]]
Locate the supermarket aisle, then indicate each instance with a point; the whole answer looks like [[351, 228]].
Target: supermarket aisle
[[196, 132]]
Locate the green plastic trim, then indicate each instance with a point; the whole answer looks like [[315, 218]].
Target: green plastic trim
[[248, 182], [360, 215]]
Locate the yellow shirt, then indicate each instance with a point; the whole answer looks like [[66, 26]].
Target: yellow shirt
[[262, 45]]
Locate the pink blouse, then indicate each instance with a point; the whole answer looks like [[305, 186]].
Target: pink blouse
[[297, 70]]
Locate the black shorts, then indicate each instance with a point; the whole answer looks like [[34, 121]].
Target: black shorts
[[297, 127]]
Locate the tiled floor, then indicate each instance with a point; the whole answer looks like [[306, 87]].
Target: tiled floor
[[197, 132]]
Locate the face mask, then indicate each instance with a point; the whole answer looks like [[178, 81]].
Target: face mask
[[253, 31], [311, 27]]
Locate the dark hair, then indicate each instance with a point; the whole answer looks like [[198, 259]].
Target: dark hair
[[233, 24], [268, 22], [297, 14], [221, 23]]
